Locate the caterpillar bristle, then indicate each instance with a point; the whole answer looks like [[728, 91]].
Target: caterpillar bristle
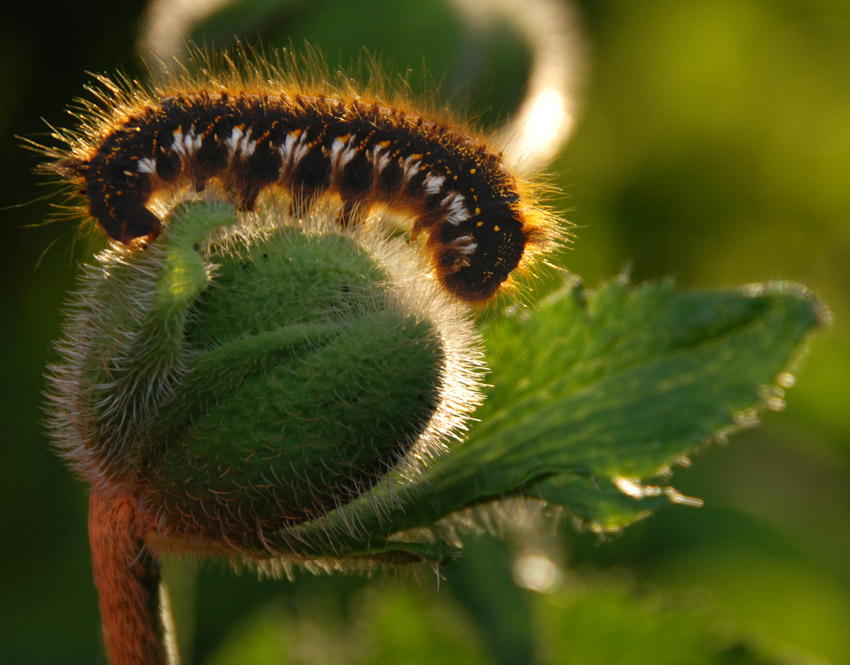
[[251, 123]]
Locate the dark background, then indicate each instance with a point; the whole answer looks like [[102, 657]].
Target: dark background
[[714, 146]]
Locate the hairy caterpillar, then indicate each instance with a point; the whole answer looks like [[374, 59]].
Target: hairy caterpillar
[[251, 134]]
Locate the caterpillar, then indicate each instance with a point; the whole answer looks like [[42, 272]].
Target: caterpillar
[[249, 136]]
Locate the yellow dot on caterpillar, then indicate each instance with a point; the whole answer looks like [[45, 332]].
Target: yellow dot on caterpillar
[[478, 211], [472, 171], [479, 224], [497, 228]]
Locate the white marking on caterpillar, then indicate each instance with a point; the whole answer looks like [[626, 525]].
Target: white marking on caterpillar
[[336, 147], [301, 148], [146, 165], [233, 142], [193, 141], [433, 183], [240, 142], [177, 145], [382, 161], [464, 244], [287, 146], [457, 212], [410, 166], [340, 157], [247, 146], [347, 156], [186, 144]]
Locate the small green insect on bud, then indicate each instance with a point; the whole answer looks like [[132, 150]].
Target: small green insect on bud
[[240, 378]]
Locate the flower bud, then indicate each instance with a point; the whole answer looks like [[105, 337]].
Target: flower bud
[[242, 377]]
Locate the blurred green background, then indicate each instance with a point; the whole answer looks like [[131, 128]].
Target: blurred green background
[[713, 146]]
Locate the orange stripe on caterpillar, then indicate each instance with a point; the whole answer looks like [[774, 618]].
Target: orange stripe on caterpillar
[[307, 145]]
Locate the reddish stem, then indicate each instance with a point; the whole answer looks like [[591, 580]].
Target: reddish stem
[[127, 578]]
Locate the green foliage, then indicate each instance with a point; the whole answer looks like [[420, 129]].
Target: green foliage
[[605, 622], [713, 146], [600, 621], [260, 390], [253, 385], [595, 393]]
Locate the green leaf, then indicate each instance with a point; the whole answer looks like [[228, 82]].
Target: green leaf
[[593, 620], [598, 502], [607, 621], [594, 393]]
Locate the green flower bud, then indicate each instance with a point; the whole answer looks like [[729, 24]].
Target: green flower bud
[[243, 377]]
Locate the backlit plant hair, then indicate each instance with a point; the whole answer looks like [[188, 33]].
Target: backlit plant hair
[[254, 353], [271, 360], [226, 388]]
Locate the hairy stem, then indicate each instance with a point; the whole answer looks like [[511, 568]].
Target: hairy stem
[[127, 578]]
